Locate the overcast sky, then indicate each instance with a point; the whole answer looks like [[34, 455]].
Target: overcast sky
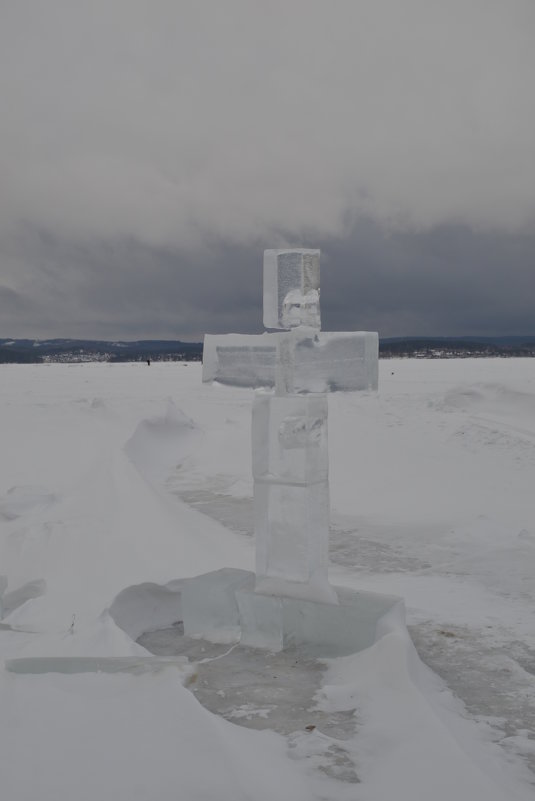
[[150, 151]]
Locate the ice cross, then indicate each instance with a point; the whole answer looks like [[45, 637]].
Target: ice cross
[[289, 429]]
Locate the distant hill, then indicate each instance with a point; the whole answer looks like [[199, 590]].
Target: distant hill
[[455, 347], [21, 351]]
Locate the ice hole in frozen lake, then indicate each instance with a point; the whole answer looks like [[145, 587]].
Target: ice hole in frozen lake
[[254, 687], [248, 686], [260, 690]]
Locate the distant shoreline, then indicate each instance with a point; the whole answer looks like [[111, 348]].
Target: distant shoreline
[[30, 351]]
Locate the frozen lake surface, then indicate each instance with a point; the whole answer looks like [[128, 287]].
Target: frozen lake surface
[[116, 475]]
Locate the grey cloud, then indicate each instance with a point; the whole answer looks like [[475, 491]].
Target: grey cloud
[[11, 301], [164, 121], [448, 280], [150, 151]]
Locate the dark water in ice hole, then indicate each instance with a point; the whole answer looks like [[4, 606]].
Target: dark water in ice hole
[[264, 690]]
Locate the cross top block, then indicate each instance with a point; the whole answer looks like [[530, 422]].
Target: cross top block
[[292, 288]]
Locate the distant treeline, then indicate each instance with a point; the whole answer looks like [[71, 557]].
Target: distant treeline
[[453, 348], [26, 351]]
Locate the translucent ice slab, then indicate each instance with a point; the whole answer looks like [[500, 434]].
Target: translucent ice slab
[[240, 360], [289, 438], [291, 532], [209, 604], [291, 491], [291, 288], [275, 622], [95, 664], [325, 361]]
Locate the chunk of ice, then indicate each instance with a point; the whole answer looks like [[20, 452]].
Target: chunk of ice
[[291, 288], [336, 361], [291, 492], [240, 360], [98, 664], [292, 531], [209, 605], [327, 629], [324, 361], [289, 438], [343, 622]]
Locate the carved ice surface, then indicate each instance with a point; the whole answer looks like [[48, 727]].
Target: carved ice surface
[[241, 360], [291, 530], [209, 605], [323, 361], [300, 308], [290, 458], [349, 625], [289, 433], [98, 664], [291, 288], [289, 438], [291, 494], [226, 605]]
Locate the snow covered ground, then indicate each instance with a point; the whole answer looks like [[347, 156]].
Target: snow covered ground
[[116, 475]]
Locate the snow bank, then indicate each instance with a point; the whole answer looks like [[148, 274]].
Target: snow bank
[[130, 738], [413, 741]]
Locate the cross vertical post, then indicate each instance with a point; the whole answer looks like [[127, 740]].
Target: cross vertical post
[[289, 442]]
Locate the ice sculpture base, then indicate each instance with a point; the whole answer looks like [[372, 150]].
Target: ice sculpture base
[[230, 609], [209, 607]]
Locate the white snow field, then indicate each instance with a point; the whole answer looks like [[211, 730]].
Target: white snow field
[[113, 476]]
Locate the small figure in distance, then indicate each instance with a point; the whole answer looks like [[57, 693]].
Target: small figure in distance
[[148, 362]]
